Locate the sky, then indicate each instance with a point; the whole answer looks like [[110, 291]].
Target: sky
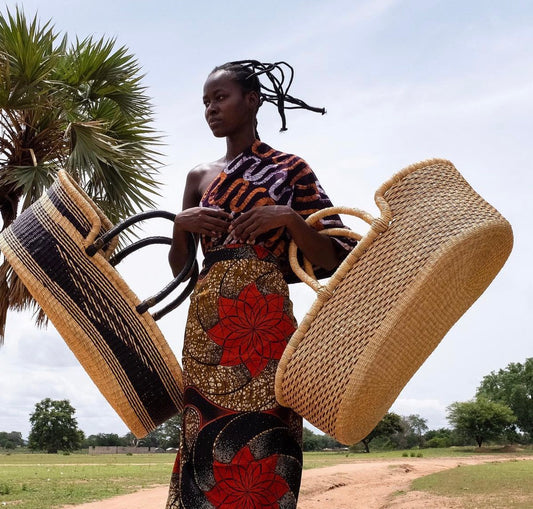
[[402, 81]]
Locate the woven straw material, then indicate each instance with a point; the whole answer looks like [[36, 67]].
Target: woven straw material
[[435, 249], [91, 306]]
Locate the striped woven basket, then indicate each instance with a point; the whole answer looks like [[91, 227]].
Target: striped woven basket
[[60, 247], [433, 251]]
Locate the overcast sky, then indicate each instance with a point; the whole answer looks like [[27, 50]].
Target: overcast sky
[[402, 81]]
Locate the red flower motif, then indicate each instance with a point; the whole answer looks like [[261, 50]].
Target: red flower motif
[[247, 483], [253, 329]]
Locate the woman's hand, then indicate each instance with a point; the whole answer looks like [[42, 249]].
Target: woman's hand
[[202, 220], [249, 225], [198, 220], [317, 248]]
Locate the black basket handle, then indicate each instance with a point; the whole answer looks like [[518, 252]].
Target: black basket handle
[[191, 266]]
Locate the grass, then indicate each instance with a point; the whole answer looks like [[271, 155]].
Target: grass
[[325, 459], [506, 484], [46, 481]]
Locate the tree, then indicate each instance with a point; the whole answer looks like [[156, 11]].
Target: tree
[[53, 427], [412, 434], [11, 440], [165, 435], [512, 386], [388, 426], [318, 442], [80, 107], [480, 419], [310, 440], [103, 439], [442, 437], [172, 432]]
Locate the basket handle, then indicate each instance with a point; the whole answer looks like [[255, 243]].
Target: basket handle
[[190, 268], [307, 274]]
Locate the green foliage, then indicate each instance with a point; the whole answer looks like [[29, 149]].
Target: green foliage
[[314, 442], [103, 439], [439, 438], [171, 432], [11, 440], [481, 419], [80, 106], [53, 427], [411, 434], [386, 428], [512, 386], [77, 106], [164, 436]]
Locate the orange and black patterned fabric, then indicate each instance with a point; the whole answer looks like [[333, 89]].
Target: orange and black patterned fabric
[[262, 176]]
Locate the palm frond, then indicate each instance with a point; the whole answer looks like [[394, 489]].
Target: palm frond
[[108, 173], [77, 106], [32, 180], [27, 59]]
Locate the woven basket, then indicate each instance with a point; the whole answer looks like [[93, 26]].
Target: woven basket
[[433, 251], [60, 248]]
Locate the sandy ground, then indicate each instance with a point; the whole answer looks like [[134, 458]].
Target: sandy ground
[[372, 484]]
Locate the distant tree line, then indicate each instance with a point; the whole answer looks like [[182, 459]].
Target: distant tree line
[[11, 440], [164, 437], [500, 412], [54, 428]]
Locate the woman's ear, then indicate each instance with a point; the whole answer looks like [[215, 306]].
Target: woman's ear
[[254, 100]]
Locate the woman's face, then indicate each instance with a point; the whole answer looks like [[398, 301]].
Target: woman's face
[[228, 109]]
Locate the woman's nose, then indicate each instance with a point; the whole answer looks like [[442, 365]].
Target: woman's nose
[[210, 109]]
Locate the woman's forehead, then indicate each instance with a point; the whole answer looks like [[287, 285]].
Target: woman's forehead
[[220, 79]]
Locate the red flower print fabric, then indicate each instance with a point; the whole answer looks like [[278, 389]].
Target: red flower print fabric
[[239, 448], [253, 329], [247, 483]]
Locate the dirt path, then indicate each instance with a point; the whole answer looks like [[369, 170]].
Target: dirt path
[[371, 484]]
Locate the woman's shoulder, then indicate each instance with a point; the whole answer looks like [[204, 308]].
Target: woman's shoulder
[[200, 176], [204, 171], [291, 162]]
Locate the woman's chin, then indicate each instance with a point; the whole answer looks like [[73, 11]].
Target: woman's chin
[[218, 133]]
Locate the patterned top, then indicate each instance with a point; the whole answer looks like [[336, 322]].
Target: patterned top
[[262, 176]]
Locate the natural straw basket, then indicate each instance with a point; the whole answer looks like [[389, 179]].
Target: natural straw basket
[[433, 251], [60, 248]]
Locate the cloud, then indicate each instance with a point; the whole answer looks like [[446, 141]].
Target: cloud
[[431, 409]]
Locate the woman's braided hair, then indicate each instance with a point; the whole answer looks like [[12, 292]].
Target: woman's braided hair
[[247, 72]]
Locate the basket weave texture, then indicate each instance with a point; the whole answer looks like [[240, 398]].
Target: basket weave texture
[[92, 307], [433, 251]]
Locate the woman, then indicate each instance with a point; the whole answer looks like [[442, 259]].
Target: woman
[[240, 449]]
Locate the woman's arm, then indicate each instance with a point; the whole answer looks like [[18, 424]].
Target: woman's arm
[[193, 219], [318, 249]]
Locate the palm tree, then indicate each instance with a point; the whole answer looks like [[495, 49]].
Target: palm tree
[[78, 106]]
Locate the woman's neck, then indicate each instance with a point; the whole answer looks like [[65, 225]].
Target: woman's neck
[[235, 146]]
